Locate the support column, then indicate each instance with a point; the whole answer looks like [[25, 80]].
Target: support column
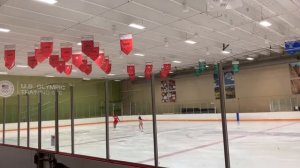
[[72, 118], [19, 114], [56, 123], [154, 120], [107, 119], [223, 115], [28, 120], [40, 122], [4, 120]]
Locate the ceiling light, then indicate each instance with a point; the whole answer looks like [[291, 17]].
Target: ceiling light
[[140, 76], [111, 74], [49, 76], [171, 72], [48, 1], [225, 52], [86, 78], [190, 42], [4, 30], [117, 80], [137, 26], [79, 43], [139, 54], [3, 73], [207, 66], [177, 62], [250, 58], [265, 23], [22, 66]]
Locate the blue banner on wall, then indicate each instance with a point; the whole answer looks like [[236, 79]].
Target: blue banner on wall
[[292, 47]]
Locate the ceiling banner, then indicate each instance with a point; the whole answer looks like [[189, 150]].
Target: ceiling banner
[[68, 69], [46, 46], [131, 71], [31, 61], [53, 60], [77, 60], [148, 70], [126, 43], [61, 66], [95, 52], [87, 44], [9, 56], [66, 51]]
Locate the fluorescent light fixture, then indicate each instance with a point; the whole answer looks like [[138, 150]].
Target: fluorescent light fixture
[[250, 58], [49, 76], [111, 74], [177, 62], [190, 41], [137, 26], [141, 76], [117, 80], [86, 78], [4, 30], [79, 43], [265, 23], [139, 54], [51, 2], [3, 73], [171, 72], [225, 52], [207, 66], [22, 66]]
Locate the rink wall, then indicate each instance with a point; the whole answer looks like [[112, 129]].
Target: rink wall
[[262, 117]]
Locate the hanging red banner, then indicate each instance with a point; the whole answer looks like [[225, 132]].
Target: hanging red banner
[[88, 69], [38, 54], [53, 60], [108, 69], [126, 43], [46, 46], [9, 56], [87, 44], [95, 53], [77, 60], [66, 51], [68, 69], [131, 71], [61, 66], [164, 73], [104, 64], [100, 59], [82, 67], [148, 70], [167, 67], [31, 61]]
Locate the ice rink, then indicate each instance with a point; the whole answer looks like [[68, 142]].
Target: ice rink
[[183, 144]]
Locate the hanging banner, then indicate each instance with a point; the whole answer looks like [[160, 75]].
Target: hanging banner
[[216, 72], [83, 66], [53, 60], [95, 53], [235, 66], [61, 66], [168, 91], [9, 56], [108, 69], [31, 61], [131, 71], [66, 51], [99, 60], [38, 54], [88, 69], [77, 60], [229, 85], [105, 64], [68, 69], [46, 46], [126, 43], [167, 67], [292, 47], [148, 70], [164, 73], [87, 44]]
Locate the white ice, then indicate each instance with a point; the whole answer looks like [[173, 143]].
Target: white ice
[[184, 144]]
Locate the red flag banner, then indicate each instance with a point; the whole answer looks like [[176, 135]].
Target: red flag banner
[[9, 56], [46, 46], [61, 66], [108, 69], [68, 69], [83, 66], [88, 69], [53, 60], [87, 44], [167, 67], [31, 61], [100, 59], [164, 73], [66, 51], [95, 53], [148, 70], [131, 71], [77, 60], [104, 64], [38, 54], [126, 43]]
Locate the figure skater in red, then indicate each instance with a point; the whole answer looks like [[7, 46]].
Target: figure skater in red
[[116, 120], [141, 124]]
